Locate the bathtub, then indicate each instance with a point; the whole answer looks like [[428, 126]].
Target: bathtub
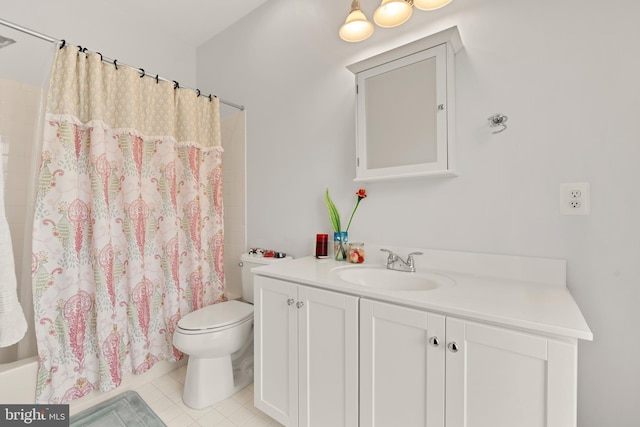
[[18, 381]]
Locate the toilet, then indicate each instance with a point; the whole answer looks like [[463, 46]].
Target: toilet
[[211, 336]]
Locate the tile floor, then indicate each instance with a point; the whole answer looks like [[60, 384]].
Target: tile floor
[[164, 396]]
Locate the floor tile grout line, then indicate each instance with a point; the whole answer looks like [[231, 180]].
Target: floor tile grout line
[[238, 407]]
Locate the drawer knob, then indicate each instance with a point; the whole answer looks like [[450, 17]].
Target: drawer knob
[[290, 301], [453, 347], [299, 304], [434, 341]]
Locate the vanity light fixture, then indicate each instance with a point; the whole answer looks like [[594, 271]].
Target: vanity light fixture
[[390, 13], [430, 4], [356, 28]]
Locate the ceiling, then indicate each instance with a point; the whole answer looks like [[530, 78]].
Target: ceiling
[[190, 21]]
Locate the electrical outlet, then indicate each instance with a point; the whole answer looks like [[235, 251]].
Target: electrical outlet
[[575, 198]]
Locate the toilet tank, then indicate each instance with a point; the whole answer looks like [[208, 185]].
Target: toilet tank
[[247, 262]]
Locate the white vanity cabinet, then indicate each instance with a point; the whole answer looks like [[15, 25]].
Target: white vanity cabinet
[[306, 354], [414, 368], [419, 369], [402, 366], [481, 351], [503, 378]]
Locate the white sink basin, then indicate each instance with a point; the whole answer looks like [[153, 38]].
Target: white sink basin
[[380, 278]]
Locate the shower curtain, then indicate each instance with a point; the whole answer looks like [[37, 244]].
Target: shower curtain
[[127, 234]]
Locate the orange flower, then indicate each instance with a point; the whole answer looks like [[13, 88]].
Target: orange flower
[[361, 193]]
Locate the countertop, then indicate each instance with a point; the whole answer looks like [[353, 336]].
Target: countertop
[[542, 305]]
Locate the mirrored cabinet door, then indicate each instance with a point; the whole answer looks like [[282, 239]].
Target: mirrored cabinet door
[[402, 122], [405, 110]]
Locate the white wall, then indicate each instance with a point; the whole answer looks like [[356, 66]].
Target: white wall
[[566, 74], [110, 31]]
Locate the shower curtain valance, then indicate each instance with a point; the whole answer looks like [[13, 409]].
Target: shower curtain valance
[[87, 88]]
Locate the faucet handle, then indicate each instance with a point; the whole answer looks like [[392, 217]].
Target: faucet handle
[[410, 260], [392, 256]]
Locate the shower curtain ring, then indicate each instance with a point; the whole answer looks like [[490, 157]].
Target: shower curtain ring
[[62, 44], [198, 93], [142, 73], [210, 98], [176, 85], [157, 81], [115, 63], [100, 56]]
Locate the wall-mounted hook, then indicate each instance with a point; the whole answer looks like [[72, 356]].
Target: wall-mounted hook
[[498, 120]]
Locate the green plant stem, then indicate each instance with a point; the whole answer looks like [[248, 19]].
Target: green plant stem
[[343, 250], [353, 213]]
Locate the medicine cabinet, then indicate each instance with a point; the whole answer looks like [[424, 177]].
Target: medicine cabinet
[[405, 109]]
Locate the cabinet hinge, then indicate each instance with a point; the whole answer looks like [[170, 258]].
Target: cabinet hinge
[[356, 89], [358, 161]]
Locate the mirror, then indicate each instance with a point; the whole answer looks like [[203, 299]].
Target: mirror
[[405, 107]]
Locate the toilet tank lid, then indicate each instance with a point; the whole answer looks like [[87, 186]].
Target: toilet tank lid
[[259, 259], [216, 315]]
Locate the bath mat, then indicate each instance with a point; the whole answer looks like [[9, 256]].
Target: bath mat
[[124, 410]]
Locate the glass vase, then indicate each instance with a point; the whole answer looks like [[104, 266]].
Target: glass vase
[[340, 245]]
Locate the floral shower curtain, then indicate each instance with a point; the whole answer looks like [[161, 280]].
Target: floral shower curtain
[[127, 235]]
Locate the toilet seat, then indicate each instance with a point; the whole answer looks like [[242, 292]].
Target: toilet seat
[[216, 317]]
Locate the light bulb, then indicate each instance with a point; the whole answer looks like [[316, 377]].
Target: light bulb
[[430, 4], [392, 13], [356, 28]]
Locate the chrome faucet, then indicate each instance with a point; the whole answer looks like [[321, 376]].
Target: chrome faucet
[[394, 262]]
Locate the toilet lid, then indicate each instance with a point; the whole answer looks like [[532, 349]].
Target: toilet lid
[[216, 316]]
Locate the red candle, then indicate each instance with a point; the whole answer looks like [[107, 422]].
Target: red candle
[[322, 241]]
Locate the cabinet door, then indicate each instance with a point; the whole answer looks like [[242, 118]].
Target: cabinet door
[[503, 378], [401, 130], [328, 348], [401, 371], [276, 349]]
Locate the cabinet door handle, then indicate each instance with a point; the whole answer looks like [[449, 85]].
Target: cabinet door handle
[[453, 347], [299, 304], [290, 301], [434, 341]]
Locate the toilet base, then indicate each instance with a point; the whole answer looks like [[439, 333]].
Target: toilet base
[[202, 390]]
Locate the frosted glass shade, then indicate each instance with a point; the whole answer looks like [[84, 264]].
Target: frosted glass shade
[[430, 4], [392, 13], [356, 28]]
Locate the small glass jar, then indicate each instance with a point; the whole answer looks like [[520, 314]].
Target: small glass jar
[[356, 253]]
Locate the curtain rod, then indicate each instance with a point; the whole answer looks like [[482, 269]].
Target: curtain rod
[[108, 60]]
